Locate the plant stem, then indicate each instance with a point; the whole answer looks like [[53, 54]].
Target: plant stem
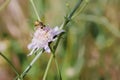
[[31, 64], [67, 19], [48, 65], [59, 72], [9, 62], [84, 4], [35, 10]]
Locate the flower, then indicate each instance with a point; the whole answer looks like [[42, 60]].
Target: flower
[[43, 35]]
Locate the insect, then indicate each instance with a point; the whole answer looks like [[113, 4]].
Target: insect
[[39, 24]]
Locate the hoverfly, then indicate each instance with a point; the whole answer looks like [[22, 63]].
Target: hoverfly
[[39, 24]]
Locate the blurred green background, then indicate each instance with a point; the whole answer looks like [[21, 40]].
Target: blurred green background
[[90, 49]]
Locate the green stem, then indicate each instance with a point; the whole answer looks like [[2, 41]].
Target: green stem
[[83, 6], [35, 10], [4, 5], [68, 18], [31, 64], [12, 66], [58, 69], [75, 8], [48, 66]]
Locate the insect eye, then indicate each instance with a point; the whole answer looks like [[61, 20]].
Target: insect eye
[[41, 27]]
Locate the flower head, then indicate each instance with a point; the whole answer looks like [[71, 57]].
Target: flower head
[[43, 35]]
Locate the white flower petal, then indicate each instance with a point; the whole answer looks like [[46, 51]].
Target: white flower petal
[[55, 28], [47, 49], [30, 46], [31, 52], [57, 31]]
